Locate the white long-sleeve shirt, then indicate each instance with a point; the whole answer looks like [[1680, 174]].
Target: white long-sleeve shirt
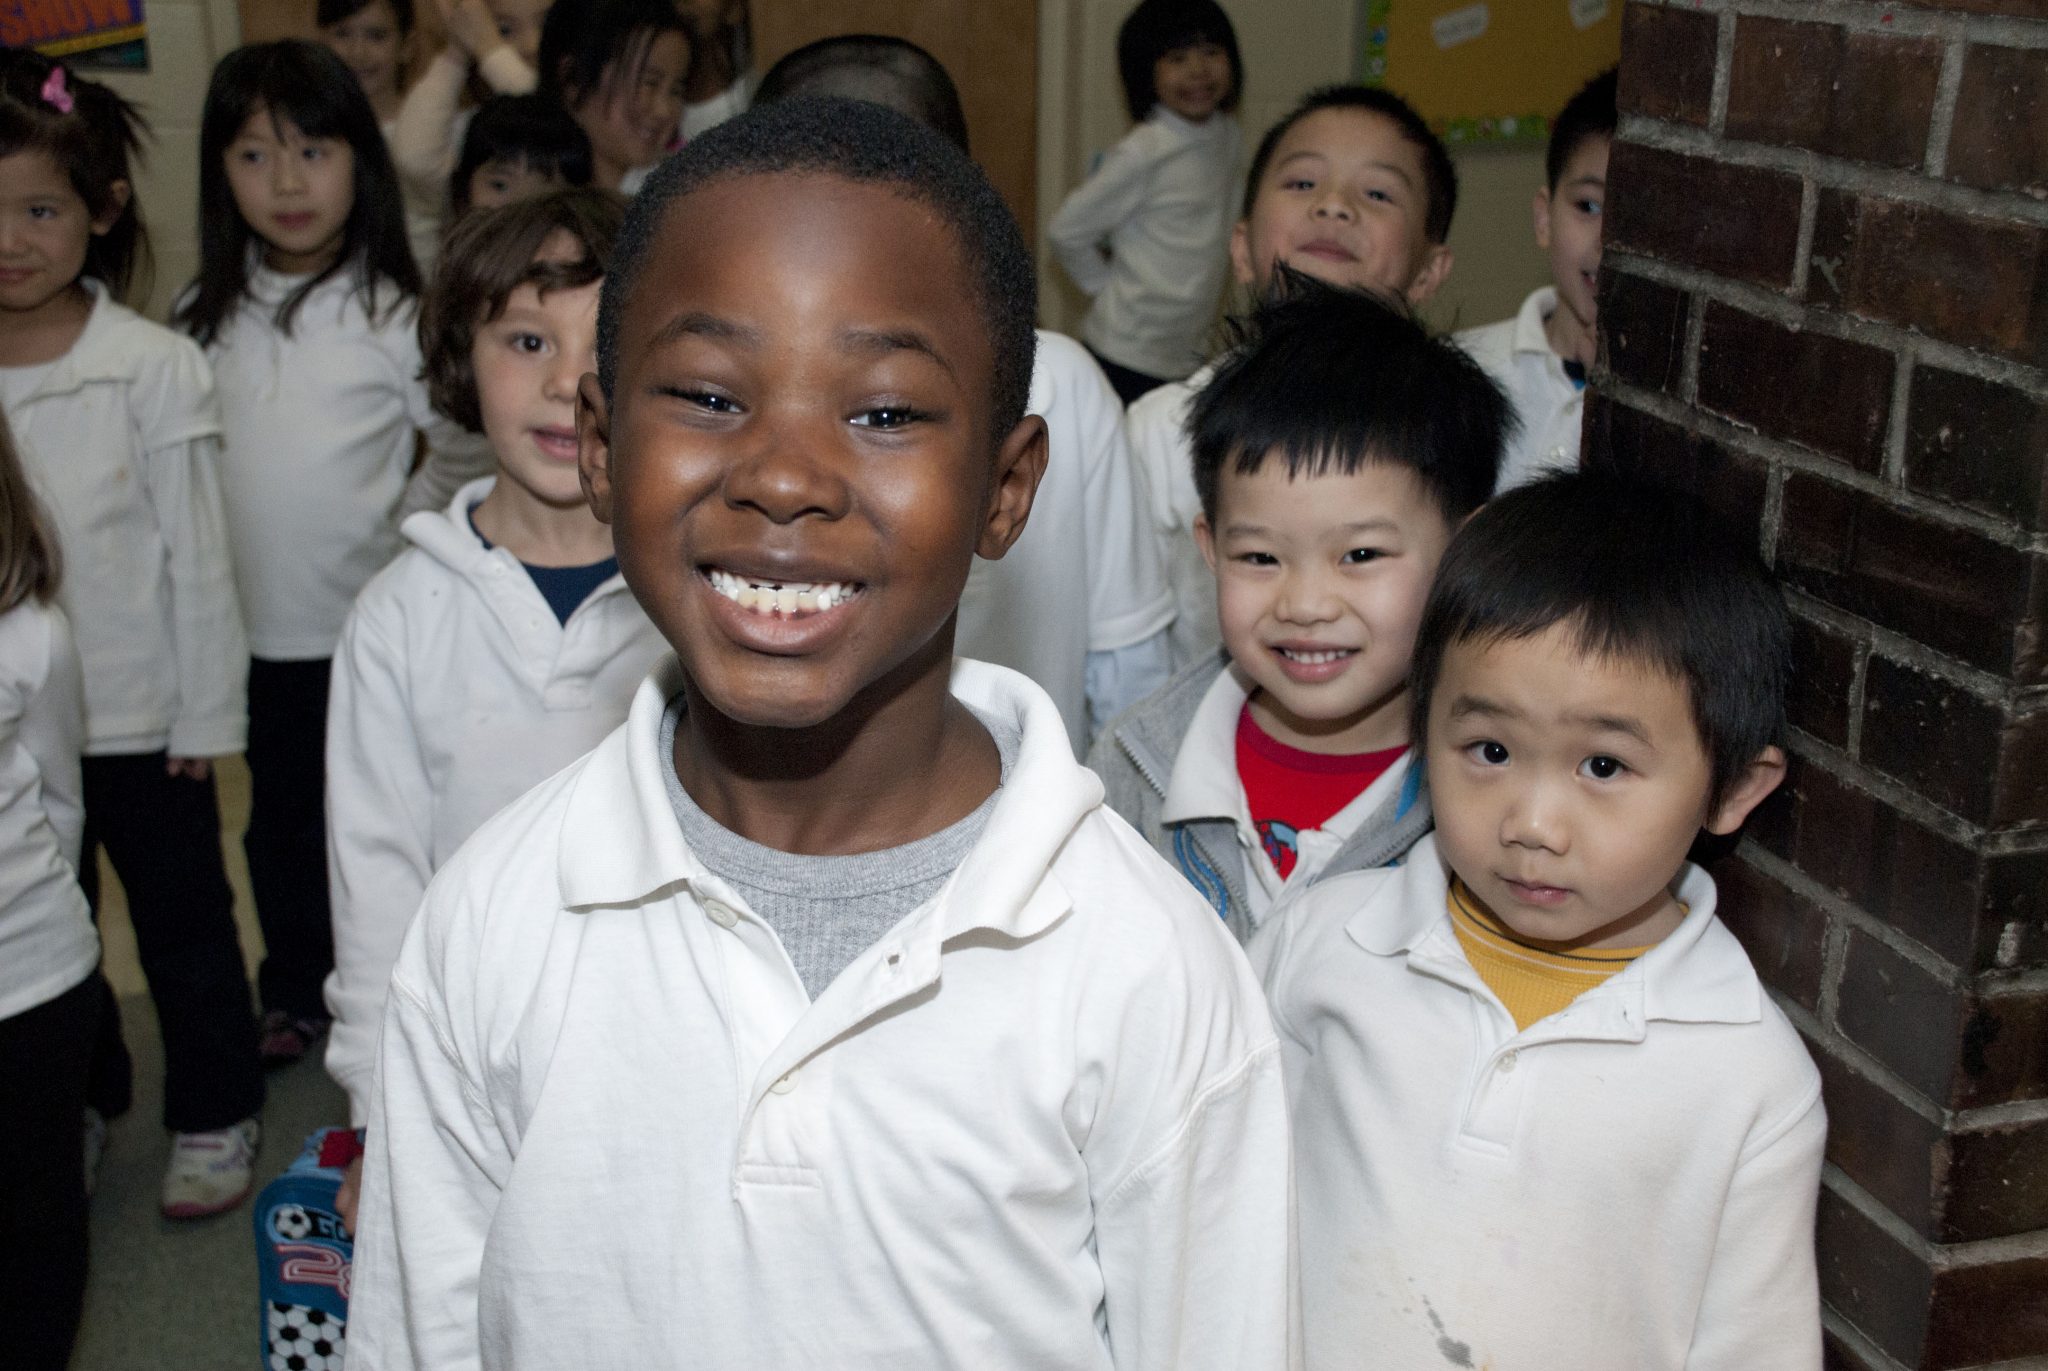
[[1038, 1125], [1517, 354], [425, 136], [320, 428], [47, 942], [1084, 578], [121, 438], [1162, 202], [1626, 1185], [1156, 430], [455, 691]]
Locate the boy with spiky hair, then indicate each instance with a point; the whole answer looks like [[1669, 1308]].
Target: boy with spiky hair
[[822, 1016], [1336, 450], [1540, 356], [1544, 1114]]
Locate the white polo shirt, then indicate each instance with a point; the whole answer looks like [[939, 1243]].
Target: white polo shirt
[[1517, 354], [1039, 1125], [1627, 1185], [1156, 429]]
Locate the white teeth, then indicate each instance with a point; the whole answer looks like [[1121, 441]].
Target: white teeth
[[781, 597], [1314, 658]]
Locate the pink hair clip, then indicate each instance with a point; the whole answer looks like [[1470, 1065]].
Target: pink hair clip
[[54, 92]]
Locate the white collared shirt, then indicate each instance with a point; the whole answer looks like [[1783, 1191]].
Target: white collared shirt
[[121, 437], [1517, 354], [1626, 1185], [1163, 201], [1205, 784], [1156, 429], [456, 690], [1037, 1125]]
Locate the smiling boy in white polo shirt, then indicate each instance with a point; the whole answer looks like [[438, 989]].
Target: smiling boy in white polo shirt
[[1545, 1115], [822, 1016]]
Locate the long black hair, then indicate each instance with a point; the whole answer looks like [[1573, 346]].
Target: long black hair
[[307, 86], [91, 134]]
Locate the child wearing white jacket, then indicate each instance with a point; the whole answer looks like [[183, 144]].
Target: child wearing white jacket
[[503, 643]]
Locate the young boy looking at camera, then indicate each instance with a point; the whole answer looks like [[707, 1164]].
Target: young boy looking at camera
[[1540, 356], [822, 1016], [1337, 448], [1352, 188], [1545, 1115]]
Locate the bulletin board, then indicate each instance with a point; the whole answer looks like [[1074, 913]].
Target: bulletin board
[[87, 32], [1489, 71]]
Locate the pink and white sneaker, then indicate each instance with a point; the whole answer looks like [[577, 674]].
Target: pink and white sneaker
[[210, 1172]]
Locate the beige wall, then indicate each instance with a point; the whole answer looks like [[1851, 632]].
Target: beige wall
[[1289, 47], [185, 39]]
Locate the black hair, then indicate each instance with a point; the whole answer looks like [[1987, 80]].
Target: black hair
[[1331, 379], [1438, 172], [332, 12], [1157, 27], [868, 144], [579, 42], [488, 256], [306, 85], [1640, 572], [92, 143], [531, 130], [1589, 114], [873, 67]]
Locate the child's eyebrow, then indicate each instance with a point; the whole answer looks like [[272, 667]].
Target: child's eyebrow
[[1471, 706], [1590, 180], [880, 341], [1613, 723], [698, 324]]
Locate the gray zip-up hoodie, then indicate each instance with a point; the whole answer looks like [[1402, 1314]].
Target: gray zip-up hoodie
[[1135, 757]]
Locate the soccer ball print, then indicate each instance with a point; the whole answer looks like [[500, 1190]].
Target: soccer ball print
[[303, 1339]]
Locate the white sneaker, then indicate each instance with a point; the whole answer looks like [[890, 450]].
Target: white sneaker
[[210, 1172], [95, 1145]]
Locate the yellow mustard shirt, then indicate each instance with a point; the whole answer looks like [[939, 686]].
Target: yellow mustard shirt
[[1533, 979]]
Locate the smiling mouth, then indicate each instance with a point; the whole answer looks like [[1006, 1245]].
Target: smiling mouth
[[1320, 657], [1327, 251], [1537, 894], [298, 219], [781, 598]]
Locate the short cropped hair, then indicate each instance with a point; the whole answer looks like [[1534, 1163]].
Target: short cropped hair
[[1331, 379], [328, 13], [530, 130], [868, 144], [1439, 174], [1157, 27], [489, 255], [876, 68], [1589, 114], [1640, 573]]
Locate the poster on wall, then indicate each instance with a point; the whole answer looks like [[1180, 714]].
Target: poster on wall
[[86, 33], [1489, 71]]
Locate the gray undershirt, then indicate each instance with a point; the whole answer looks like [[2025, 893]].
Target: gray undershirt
[[829, 910]]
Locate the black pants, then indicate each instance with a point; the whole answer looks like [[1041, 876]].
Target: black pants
[[162, 834], [45, 1054], [287, 838], [1127, 384]]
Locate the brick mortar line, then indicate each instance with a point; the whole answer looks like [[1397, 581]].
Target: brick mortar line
[[1810, 463], [1835, 173], [1786, 312], [1773, 520], [1848, 914], [1880, 18], [1893, 468], [1689, 361], [1865, 1351], [1980, 684], [1724, 65], [1802, 249], [1939, 1258], [1859, 697], [1990, 1116], [1941, 127], [2016, 842], [1865, 1065]]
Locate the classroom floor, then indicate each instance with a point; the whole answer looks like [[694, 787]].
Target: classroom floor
[[167, 1296]]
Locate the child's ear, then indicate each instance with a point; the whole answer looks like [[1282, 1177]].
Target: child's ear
[[117, 205], [1020, 466], [1747, 791], [1205, 539], [1241, 253], [1540, 209], [594, 446], [1436, 266]]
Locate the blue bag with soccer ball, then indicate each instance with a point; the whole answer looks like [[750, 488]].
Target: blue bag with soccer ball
[[302, 1257]]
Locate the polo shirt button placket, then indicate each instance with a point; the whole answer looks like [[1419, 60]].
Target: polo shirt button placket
[[721, 914]]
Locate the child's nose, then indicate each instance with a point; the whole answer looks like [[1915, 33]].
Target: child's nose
[[777, 472], [1535, 818], [1307, 597]]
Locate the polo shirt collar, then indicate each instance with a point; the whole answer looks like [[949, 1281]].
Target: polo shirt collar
[[621, 845], [1699, 974], [1205, 783], [1530, 335]]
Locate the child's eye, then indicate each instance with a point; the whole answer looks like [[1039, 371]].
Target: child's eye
[[1359, 556], [1487, 752], [708, 400], [1589, 208], [42, 211], [887, 417], [528, 342], [1298, 183], [1377, 194], [1257, 559], [1602, 768]]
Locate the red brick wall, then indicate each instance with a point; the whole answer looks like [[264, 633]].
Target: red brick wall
[[1826, 308]]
